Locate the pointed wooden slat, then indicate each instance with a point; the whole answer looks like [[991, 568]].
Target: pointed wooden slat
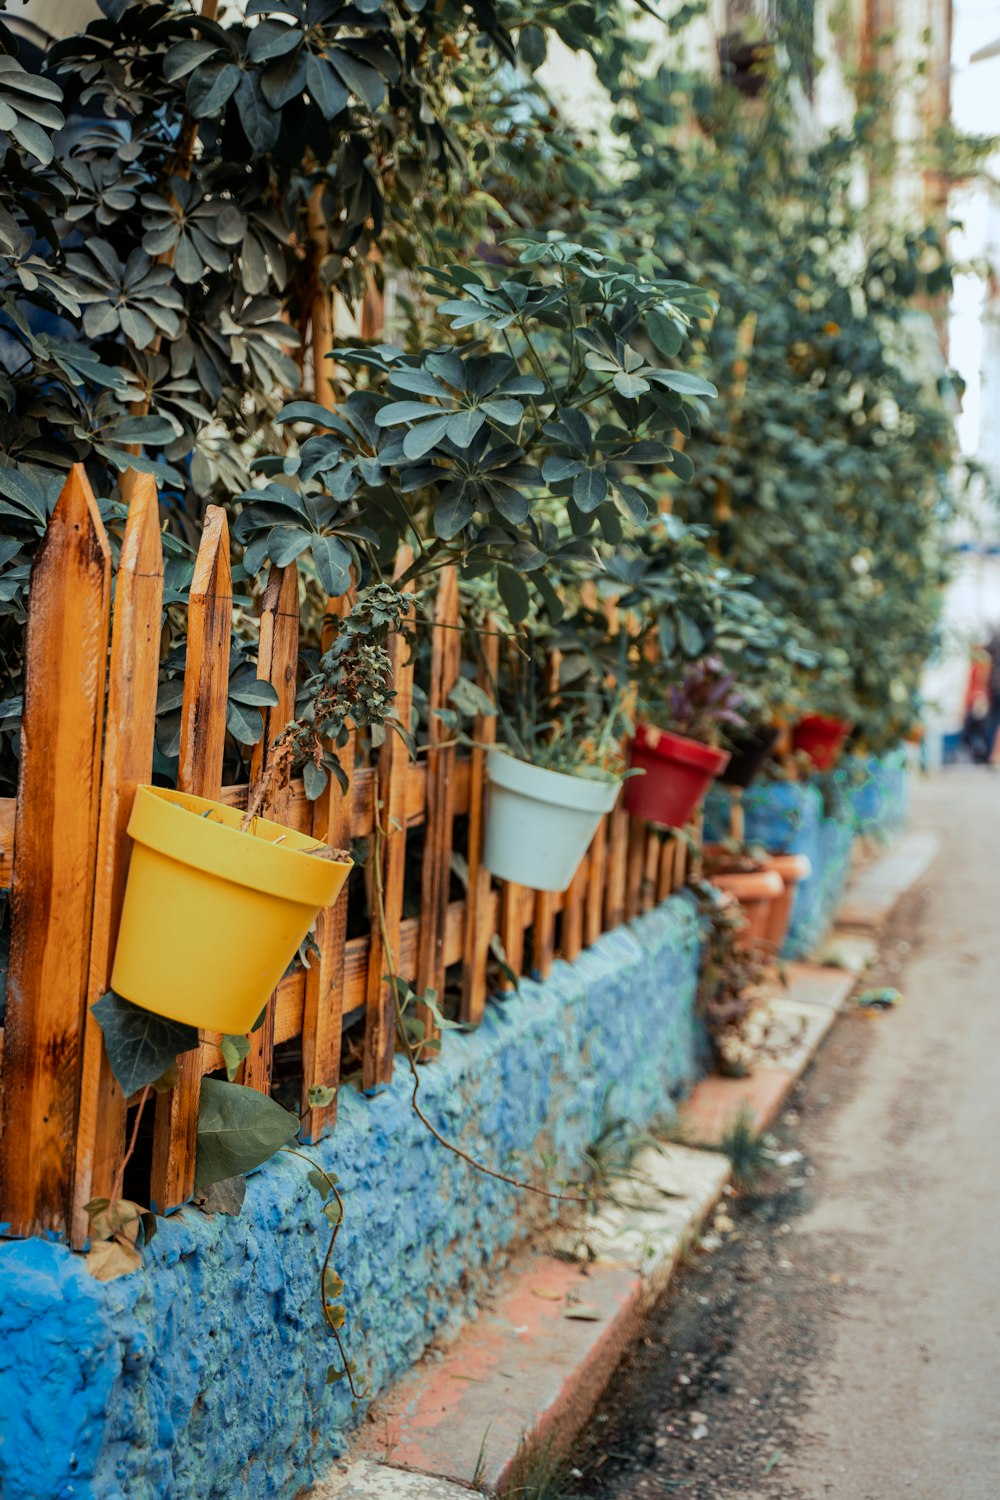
[[323, 1002], [512, 902], [571, 932], [277, 662], [665, 869], [128, 761], [634, 866], [203, 734], [614, 905], [651, 869], [380, 1017], [52, 899], [543, 936], [680, 864], [325, 979], [593, 924], [478, 908], [446, 664]]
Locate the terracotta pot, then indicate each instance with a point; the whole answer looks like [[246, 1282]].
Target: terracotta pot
[[677, 772], [756, 891], [792, 868], [822, 738], [748, 758]]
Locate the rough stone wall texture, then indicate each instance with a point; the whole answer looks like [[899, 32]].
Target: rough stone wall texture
[[865, 796], [202, 1376], [877, 790]]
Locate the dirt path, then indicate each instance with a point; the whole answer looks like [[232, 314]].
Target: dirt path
[[844, 1339]]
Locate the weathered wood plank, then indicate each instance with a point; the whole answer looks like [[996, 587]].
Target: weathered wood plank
[[571, 932], [665, 868], [446, 664], [128, 762], [53, 890], [203, 733], [323, 986], [512, 923], [380, 1021], [479, 908], [634, 864], [543, 934], [596, 875], [277, 663], [651, 867], [614, 903]]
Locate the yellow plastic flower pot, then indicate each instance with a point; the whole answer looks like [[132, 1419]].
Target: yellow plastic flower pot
[[213, 916]]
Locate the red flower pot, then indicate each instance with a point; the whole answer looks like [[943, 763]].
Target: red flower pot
[[677, 774], [822, 739]]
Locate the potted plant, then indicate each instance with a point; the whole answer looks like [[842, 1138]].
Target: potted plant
[[793, 869], [557, 775], [750, 748], [236, 892], [732, 986], [675, 767], [751, 879], [821, 737]]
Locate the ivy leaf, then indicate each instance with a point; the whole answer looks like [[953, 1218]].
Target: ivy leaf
[[314, 779], [453, 511], [664, 332], [140, 1046], [590, 488], [108, 1259], [514, 593], [238, 1129], [320, 1095], [681, 381], [234, 1049], [333, 564]]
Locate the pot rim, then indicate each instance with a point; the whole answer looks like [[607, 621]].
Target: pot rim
[[540, 784], [218, 847], [669, 746], [750, 885]]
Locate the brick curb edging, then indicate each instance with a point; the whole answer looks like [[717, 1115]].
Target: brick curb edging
[[533, 1366]]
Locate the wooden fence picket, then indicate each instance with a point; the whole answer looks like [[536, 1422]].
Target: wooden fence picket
[[571, 937], [635, 862], [596, 875], [53, 882], [614, 892], [446, 663], [390, 813], [203, 735], [479, 921], [277, 663], [128, 762], [323, 995]]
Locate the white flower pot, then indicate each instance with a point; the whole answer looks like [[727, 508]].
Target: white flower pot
[[539, 823]]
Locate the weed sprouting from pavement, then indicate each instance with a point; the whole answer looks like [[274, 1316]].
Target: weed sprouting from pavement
[[746, 1150], [538, 1472]]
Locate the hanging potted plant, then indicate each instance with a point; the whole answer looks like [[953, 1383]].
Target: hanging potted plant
[[559, 772], [821, 737], [237, 892], [675, 767], [750, 749]]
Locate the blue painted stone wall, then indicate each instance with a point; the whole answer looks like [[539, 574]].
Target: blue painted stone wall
[[867, 796], [201, 1377], [877, 790]]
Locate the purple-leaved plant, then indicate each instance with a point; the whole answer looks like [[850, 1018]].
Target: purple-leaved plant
[[706, 698]]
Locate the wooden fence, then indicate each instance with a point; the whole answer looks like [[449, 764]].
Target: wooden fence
[[87, 742]]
